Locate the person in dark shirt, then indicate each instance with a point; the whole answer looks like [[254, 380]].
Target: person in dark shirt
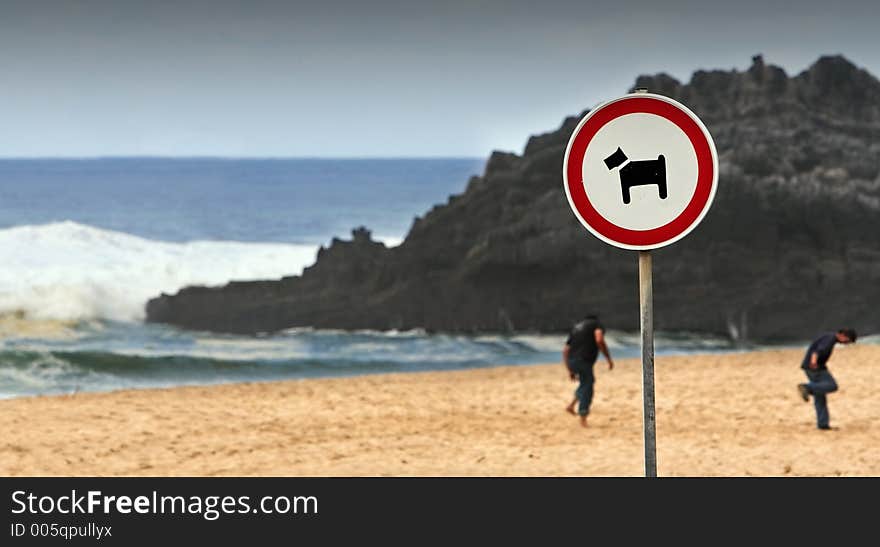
[[586, 339], [815, 366]]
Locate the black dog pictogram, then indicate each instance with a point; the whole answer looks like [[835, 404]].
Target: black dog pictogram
[[638, 173]]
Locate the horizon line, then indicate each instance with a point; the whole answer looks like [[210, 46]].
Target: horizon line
[[233, 158]]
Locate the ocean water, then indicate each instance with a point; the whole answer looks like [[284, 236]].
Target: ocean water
[[85, 243]]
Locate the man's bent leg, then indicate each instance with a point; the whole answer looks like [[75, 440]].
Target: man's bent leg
[[821, 382]]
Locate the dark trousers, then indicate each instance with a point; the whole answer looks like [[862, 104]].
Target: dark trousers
[[584, 391], [821, 383]]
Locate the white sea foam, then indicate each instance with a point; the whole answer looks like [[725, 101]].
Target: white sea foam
[[69, 271]]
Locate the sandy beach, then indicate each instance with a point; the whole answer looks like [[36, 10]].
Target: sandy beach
[[734, 414]]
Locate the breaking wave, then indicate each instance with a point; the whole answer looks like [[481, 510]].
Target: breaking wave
[[66, 271]]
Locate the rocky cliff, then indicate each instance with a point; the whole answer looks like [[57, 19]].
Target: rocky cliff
[[791, 245]]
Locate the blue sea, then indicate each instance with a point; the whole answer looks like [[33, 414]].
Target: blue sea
[[85, 243]]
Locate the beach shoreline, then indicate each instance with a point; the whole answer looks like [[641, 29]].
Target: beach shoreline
[[731, 414]]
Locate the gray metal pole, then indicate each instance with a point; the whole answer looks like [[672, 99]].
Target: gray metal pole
[[646, 309]]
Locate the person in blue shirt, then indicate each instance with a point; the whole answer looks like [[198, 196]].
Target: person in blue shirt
[[815, 366], [585, 341]]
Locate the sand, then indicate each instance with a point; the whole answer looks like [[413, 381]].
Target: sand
[[733, 414]]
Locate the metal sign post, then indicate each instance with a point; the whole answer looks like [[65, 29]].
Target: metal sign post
[[646, 322]]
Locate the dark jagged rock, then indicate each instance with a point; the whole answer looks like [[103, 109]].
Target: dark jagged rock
[[791, 245]]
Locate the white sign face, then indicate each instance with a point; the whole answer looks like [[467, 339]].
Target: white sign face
[[640, 171]]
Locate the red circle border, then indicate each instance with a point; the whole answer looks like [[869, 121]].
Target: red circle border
[[655, 237]]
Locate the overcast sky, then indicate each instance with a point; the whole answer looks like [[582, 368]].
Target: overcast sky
[[357, 78]]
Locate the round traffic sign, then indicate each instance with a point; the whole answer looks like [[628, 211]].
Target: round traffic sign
[[640, 171]]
